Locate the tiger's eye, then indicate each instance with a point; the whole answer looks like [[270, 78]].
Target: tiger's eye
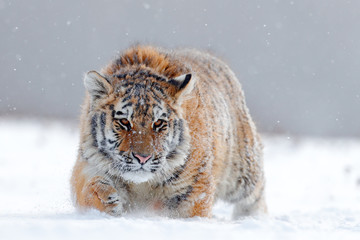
[[124, 121], [158, 123]]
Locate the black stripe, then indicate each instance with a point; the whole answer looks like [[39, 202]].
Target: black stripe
[[128, 90], [171, 154], [98, 92], [112, 202], [175, 201], [180, 127], [94, 126], [102, 125], [96, 97], [158, 78], [126, 84], [104, 182], [87, 158], [140, 85], [127, 98], [102, 86], [116, 134], [156, 97], [155, 105], [144, 73], [127, 105], [103, 152], [169, 111], [118, 143], [175, 175], [119, 62], [156, 86]]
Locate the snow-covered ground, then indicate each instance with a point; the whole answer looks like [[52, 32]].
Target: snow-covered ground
[[313, 192]]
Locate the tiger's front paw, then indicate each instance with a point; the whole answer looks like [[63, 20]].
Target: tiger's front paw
[[105, 197]]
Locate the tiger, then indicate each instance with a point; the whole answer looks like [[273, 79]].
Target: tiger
[[167, 131]]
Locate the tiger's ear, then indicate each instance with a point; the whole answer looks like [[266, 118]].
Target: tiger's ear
[[97, 85], [184, 84]]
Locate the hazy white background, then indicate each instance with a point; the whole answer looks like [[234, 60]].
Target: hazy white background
[[298, 60]]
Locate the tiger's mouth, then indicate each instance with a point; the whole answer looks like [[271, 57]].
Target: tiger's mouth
[[138, 176], [134, 170]]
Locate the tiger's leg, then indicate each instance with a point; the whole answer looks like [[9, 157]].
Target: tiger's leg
[[194, 200], [250, 206], [96, 192], [246, 192], [194, 205]]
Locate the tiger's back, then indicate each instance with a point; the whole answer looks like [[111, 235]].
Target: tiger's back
[[217, 153]]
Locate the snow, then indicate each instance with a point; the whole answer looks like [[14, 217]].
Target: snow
[[313, 192]]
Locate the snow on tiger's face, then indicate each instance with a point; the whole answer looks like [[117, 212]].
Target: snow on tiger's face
[[136, 126]]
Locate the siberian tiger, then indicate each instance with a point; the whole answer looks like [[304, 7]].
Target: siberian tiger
[[167, 131]]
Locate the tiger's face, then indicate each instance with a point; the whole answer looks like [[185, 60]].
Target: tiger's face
[[136, 125]]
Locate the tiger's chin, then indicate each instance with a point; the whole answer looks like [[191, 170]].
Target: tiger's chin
[[139, 176]]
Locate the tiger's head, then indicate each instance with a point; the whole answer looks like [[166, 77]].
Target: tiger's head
[[135, 122]]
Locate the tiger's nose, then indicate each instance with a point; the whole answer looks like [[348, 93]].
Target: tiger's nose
[[141, 157]]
